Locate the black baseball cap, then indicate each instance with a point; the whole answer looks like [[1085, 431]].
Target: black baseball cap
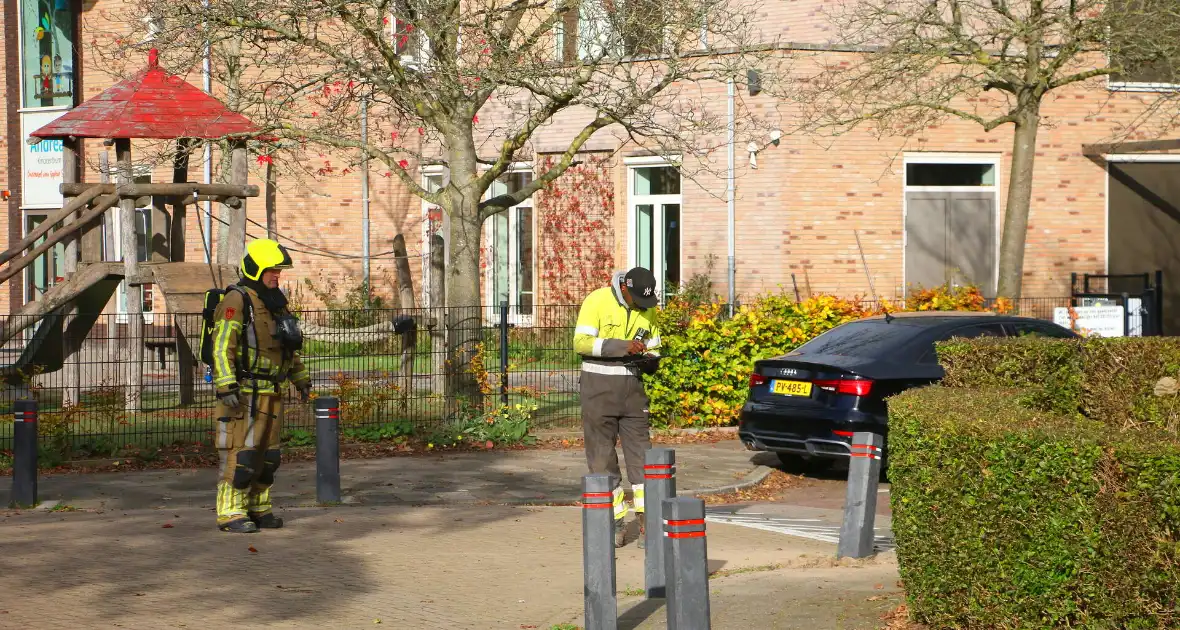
[[641, 284]]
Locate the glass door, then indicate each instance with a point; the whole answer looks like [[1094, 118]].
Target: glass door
[[655, 224]]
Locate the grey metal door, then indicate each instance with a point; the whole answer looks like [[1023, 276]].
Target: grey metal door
[[925, 245], [971, 240], [950, 239]]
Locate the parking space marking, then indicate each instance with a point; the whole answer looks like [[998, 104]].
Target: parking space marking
[[810, 528]]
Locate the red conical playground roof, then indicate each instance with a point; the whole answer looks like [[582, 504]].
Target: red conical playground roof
[[152, 104]]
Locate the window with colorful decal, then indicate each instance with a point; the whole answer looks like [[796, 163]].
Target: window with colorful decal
[[47, 52]]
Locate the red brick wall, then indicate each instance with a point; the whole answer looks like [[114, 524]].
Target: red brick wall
[[795, 214]]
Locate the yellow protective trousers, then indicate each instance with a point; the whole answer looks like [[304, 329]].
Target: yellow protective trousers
[[248, 446]]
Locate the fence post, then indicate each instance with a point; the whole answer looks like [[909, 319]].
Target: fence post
[[686, 563], [504, 352], [860, 505], [24, 454], [659, 483], [598, 553], [327, 449]]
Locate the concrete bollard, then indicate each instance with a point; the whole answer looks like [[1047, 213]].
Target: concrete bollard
[[860, 505], [686, 562], [598, 553], [659, 483], [327, 449], [24, 454]]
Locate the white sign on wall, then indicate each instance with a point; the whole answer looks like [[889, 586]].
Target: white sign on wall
[[1093, 321], [41, 164]]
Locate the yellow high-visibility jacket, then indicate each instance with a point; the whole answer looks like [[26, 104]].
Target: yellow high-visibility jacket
[[606, 327]]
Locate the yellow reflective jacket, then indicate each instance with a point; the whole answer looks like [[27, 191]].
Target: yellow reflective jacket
[[261, 355], [606, 327]]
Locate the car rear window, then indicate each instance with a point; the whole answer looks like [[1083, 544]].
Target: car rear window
[[873, 339]]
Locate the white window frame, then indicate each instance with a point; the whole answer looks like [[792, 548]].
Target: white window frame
[[427, 173], [657, 202], [26, 214], [515, 317], [417, 55], [116, 215], [934, 157]]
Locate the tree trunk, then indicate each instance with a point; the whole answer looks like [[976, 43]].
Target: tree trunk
[[464, 321], [1016, 209]]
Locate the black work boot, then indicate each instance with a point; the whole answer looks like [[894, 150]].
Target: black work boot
[[266, 521], [239, 526]]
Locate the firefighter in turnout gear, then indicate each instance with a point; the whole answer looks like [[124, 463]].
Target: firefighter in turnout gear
[[255, 345], [616, 336]]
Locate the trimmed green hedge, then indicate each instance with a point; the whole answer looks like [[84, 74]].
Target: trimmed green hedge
[[1011, 517], [1111, 380]]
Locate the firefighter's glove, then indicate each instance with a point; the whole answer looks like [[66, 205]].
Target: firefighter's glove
[[230, 399], [304, 391]]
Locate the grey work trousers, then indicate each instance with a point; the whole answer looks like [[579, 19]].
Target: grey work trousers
[[615, 407]]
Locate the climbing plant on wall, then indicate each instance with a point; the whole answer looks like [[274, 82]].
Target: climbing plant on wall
[[575, 218]]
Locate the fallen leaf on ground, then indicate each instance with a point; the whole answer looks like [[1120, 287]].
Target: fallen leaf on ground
[[876, 598], [167, 526], [768, 489], [253, 550], [338, 521]]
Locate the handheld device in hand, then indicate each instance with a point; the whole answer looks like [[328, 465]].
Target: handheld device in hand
[[640, 335]]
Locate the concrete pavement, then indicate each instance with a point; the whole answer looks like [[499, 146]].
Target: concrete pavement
[[539, 476], [395, 566]]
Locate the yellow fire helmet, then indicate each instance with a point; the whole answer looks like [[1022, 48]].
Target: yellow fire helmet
[[263, 254]]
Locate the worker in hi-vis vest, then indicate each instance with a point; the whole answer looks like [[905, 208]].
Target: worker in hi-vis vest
[[256, 343], [618, 341]]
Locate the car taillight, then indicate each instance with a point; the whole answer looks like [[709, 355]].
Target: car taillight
[[756, 380], [850, 387]]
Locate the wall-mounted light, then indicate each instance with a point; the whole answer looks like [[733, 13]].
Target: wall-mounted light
[[753, 149], [775, 137]]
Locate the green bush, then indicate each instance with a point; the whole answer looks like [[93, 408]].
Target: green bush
[[1112, 380], [704, 377], [1048, 371], [1009, 517]]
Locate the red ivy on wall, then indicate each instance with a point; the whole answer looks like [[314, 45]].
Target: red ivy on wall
[[575, 218]]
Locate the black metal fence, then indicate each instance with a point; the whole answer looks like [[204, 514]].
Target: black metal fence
[[91, 403]]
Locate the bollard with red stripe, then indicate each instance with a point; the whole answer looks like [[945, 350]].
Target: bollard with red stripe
[[24, 454], [327, 449], [860, 505], [659, 483], [598, 552], [686, 563]]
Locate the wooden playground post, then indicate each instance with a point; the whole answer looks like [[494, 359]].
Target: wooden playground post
[[131, 278], [186, 367], [240, 174], [72, 385]]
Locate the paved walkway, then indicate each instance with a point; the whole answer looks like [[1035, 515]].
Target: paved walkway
[[494, 477], [492, 567]]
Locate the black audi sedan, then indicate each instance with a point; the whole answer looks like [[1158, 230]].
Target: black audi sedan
[[805, 405]]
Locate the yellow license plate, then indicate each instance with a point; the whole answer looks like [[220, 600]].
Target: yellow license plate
[[791, 388]]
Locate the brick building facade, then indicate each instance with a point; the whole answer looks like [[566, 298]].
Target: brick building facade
[[925, 209]]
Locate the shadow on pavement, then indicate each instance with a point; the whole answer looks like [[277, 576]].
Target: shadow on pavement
[[640, 613], [115, 566]]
